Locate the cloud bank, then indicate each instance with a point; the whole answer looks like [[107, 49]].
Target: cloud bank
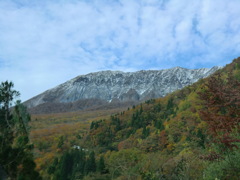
[[44, 43]]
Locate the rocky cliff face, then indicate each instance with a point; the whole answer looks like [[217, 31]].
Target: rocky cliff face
[[121, 86]]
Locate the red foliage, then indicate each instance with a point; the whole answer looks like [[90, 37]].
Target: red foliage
[[213, 156], [222, 108], [229, 141], [163, 139]]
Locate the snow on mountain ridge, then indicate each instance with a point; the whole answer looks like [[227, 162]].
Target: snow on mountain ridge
[[123, 86]]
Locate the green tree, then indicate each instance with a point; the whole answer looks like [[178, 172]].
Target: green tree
[[101, 165], [7, 94], [91, 163], [145, 132], [125, 163], [52, 167], [66, 166], [159, 125], [70, 166], [16, 157], [60, 142]]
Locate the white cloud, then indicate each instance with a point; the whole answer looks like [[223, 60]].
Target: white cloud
[[44, 43]]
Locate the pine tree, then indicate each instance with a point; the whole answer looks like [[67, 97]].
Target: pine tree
[[145, 132], [66, 166], [7, 94], [159, 125], [101, 165], [92, 125], [16, 157], [90, 163]]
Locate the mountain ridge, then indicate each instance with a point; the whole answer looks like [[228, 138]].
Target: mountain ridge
[[121, 86]]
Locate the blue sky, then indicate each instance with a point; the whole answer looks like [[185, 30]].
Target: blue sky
[[45, 43]]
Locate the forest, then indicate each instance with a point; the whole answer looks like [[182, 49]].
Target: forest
[[193, 133]]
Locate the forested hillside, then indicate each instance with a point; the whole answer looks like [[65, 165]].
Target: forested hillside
[[193, 133]]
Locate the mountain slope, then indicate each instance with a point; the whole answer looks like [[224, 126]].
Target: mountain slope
[[193, 133], [117, 86]]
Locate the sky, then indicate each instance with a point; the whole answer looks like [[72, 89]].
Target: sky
[[45, 43]]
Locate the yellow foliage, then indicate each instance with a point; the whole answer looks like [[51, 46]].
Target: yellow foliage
[[183, 138], [139, 141], [170, 147], [186, 151], [166, 125]]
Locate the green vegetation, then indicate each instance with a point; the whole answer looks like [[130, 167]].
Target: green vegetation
[[54, 134], [16, 158], [193, 133], [76, 164]]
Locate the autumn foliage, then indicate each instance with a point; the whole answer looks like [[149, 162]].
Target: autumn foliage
[[193, 133], [222, 108]]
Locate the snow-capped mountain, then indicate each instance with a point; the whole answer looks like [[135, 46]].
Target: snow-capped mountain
[[121, 86]]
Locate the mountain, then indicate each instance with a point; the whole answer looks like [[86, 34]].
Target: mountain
[[114, 87], [192, 133]]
